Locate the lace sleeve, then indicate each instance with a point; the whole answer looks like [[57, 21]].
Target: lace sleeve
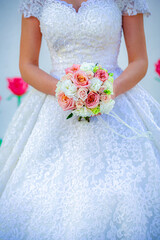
[[133, 7], [31, 8]]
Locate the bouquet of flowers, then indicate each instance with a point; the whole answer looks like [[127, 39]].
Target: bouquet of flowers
[[85, 89]]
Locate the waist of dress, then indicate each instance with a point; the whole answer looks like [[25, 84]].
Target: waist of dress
[[115, 69]]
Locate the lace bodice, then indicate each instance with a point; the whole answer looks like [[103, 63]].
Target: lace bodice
[[93, 34]]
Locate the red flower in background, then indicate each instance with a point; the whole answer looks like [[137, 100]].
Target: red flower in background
[[17, 86], [157, 67]]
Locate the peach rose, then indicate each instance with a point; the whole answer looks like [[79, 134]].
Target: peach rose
[[92, 100], [73, 68], [90, 74], [82, 93], [80, 103], [68, 76], [102, 75], [65, 102], [80, 79], [105, 98]]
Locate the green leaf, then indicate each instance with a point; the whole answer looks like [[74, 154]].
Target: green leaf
[[96, 110], [0, 141], [79, 119], [157, 79], [111, 74], [70, 115], [10, 97], [95, 69], [107, 91]]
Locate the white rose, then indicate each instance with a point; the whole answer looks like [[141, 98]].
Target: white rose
[[111, 79], [58, 87], [83, 112], [85, 66], [108, 85], [107, 107], [69, 88], [95, 84]]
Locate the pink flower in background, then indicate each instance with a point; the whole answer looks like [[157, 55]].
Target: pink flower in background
[[157, 67], [0, 98], [73, 68], [80, 79], [92, 100], [17, 86], [102, 75], [65, 102]]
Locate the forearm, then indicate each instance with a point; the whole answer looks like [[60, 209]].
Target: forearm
[[38, 78], [135, 71]]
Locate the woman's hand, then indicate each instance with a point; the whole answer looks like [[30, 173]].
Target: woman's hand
[[133, 28], [114, 95], [29, 57]]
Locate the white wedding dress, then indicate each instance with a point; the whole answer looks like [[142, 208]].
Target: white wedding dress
[[77, 180]]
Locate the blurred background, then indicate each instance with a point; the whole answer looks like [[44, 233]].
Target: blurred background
[[10, 25]]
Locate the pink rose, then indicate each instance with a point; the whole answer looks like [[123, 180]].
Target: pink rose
[[65, 102], [80, 79], [92, 100], [68, 76], [73, 68], [82, 93], [102, 75], [80, 103], [17, 86], [105, 98], [90, 74], [157, 67]]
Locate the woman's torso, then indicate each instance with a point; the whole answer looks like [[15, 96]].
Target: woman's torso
[[93, 34]]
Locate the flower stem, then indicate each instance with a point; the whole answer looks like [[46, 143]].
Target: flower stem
[[87, 119], [19, 100]]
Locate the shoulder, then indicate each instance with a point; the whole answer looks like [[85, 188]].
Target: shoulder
[[133, 7], [31, 7]]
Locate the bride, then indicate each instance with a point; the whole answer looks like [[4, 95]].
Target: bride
[[77, 180]]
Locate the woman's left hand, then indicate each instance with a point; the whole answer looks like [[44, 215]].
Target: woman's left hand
[[113, 96]]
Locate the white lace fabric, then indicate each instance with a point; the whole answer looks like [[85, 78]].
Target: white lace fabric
[[127, 7], [69, 180]]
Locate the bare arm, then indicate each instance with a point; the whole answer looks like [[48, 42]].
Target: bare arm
[[133, 28], [30, 44]]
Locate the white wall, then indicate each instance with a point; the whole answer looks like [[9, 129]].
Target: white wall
[[10, 25]]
